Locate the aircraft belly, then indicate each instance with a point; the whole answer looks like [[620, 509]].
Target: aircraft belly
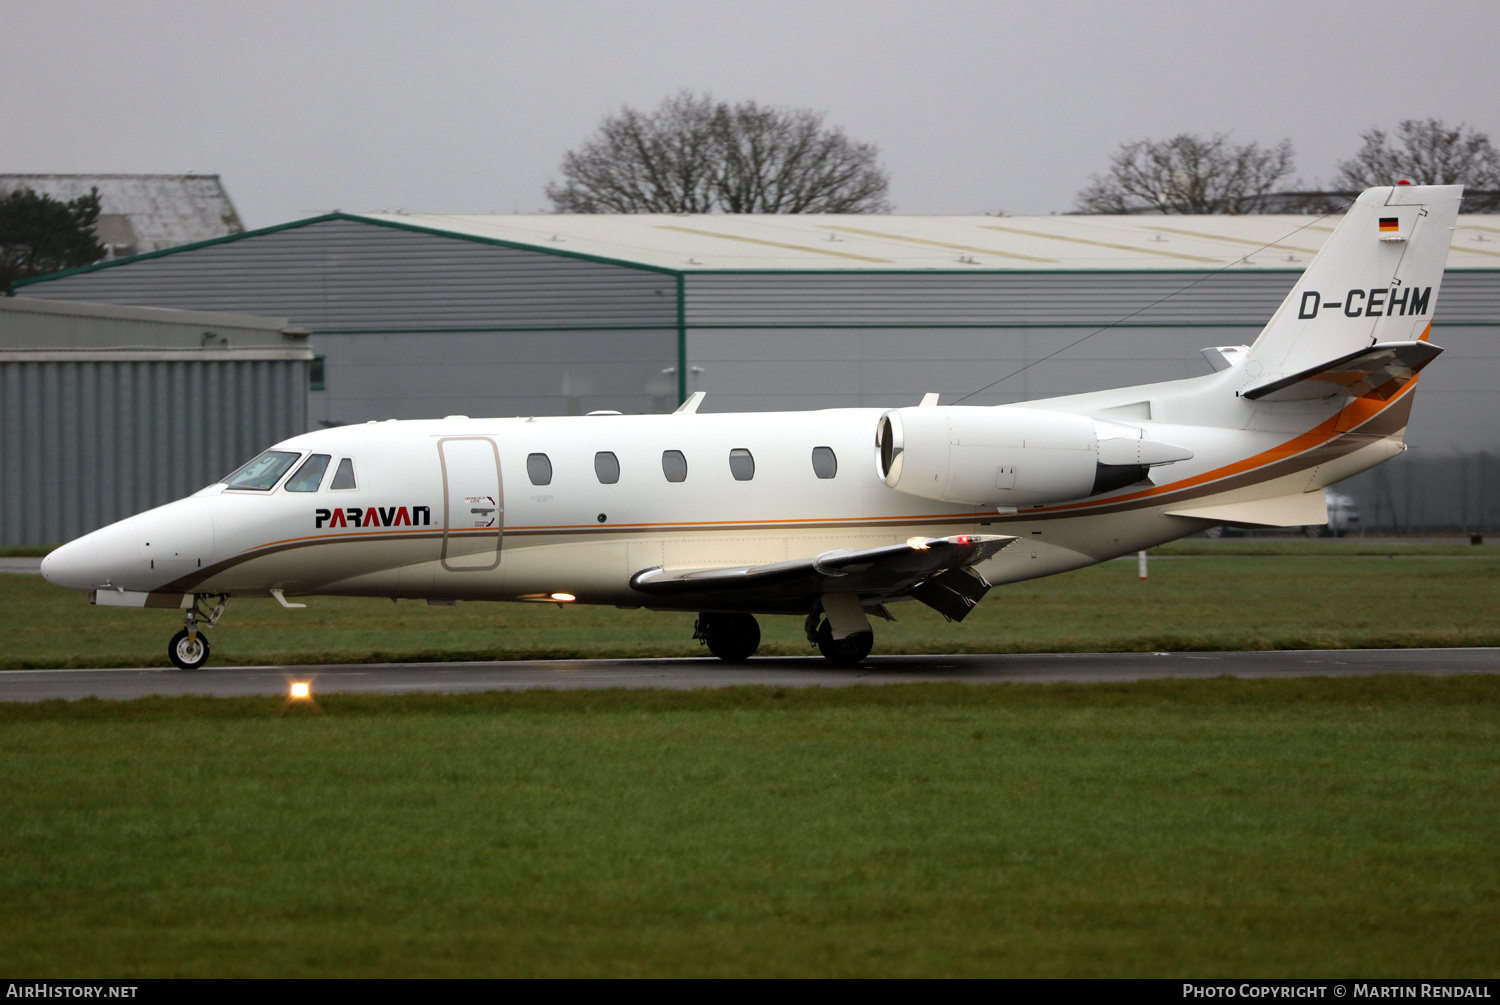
[[593, 570]]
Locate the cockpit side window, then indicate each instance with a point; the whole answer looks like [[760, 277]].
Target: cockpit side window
[[309, 476], [262, 474], [343, 478]]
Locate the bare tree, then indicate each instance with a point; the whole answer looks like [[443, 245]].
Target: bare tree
[[1427, 152], [1188, 174], [695, 155]]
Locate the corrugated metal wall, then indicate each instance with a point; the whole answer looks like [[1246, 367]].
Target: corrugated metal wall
[[342, 274], [417, 326], [1027, 298], [390, 375], [798, 368], [31, 323], [88, 442]]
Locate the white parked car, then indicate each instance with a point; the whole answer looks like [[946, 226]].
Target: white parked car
[[1343, 516]]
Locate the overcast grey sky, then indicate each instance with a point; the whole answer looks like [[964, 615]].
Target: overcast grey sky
[[467, 107]]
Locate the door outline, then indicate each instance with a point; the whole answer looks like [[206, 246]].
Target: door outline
[[447, 508]]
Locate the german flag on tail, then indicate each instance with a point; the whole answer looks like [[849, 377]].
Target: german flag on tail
[[1389, 224]]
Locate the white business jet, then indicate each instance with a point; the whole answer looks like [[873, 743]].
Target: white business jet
[[833, 515]]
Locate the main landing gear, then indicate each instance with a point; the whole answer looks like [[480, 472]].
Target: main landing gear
[[734, 638], [845, 652], [188, 649], [731, 637]]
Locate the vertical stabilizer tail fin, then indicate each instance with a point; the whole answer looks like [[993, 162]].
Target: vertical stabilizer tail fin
[[1375, 281]]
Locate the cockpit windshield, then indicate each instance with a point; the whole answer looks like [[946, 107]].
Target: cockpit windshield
[[262, 474]]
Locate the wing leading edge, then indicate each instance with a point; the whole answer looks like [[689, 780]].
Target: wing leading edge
[[936, 571]]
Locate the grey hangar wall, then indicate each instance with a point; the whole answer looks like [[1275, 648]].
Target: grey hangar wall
[[416, 323], [106, 411]]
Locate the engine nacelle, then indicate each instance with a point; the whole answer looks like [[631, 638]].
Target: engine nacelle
[[1010, 456]]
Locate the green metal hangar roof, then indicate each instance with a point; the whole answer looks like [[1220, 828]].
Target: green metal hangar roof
[[421, 315]]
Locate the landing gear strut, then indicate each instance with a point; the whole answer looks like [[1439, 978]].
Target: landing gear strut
[[731, 637], [188, 649]]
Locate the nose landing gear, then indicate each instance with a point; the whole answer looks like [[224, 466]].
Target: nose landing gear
[[188, 649]]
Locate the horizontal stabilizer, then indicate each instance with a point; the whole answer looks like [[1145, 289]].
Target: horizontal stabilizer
[[1380, 369], [1301, 510], [873, 573]]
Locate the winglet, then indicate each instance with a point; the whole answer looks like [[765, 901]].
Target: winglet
[[691, 405]]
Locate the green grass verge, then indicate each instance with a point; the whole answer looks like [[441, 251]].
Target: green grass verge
[[1305, 600], [1311, 827], [1349, 546], [25, 550]]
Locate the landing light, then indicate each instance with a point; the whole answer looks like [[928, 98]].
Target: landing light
[[563, 598], [919, 543], [300, 689]]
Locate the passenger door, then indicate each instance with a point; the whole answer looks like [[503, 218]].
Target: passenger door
[[473, 503]]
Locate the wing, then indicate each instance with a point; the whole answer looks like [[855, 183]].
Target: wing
[[936, 571]]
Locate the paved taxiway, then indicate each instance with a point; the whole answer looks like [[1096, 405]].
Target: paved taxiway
[[452, 678]]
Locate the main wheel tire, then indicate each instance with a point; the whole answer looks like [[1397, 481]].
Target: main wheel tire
[[733, 637], [188, 654], [845, 652]]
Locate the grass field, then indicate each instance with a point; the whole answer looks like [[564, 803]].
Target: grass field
[[1200, 595], [1170, 828]]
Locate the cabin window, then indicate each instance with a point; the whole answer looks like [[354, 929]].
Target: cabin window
[[343, 478], [539, 469], [310, 475], [607, 467], [741, 464], [262, 474], [825, 462], [674, 465]]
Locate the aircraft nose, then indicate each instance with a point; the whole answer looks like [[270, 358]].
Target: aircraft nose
[[75, 565]]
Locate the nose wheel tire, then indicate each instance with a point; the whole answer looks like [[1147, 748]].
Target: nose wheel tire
[[845, 652], [188, 653]]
